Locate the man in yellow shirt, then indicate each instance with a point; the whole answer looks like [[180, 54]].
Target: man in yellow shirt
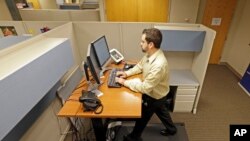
[[154, 84]]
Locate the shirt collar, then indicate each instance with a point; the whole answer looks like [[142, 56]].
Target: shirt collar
[[153, 56]]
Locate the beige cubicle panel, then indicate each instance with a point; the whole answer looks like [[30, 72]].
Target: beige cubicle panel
[[44, 15], [34, 27], [66, 31], [18, 27], [201, 60], [60, 15], [131, 38], [179, 60], [85, 15], [87, 32]]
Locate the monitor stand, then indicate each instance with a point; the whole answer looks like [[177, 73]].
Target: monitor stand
[[94, 88], [105, 69]]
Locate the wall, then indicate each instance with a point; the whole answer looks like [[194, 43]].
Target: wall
[[200, 11], [183, 11], [4, 11], [237, 49], [233, 28]]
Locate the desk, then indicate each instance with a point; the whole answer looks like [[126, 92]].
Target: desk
[[117, 102]]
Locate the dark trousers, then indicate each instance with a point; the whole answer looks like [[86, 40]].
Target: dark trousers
[[149, 107]]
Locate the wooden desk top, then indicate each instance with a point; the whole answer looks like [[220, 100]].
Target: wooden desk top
[[117, 102]]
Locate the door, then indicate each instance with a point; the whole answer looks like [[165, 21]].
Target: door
[[121, 10], [137, 10], [218, 15]]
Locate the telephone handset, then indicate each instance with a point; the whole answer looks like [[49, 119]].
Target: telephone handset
[[116, 55], [91, 102]]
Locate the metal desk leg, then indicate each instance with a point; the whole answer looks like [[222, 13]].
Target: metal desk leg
[[99, 129]]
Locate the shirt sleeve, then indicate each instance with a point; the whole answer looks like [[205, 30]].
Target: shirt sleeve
[[135, 70], [152, 79]]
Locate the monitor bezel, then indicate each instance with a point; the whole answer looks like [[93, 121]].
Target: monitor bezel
[[106, 62]]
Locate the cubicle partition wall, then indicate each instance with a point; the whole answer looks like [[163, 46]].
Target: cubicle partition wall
[[86, 32], [74, 75], [29, 28], [59, 15], [36, 27], [131, 38], [29, 70], [12, 40], [201, 60], [56, 128]]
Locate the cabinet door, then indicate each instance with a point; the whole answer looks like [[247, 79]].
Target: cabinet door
[[185, 96], [183, 106], [121, 10], [137, 10], [153, 10]]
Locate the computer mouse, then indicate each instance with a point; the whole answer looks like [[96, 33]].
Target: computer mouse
[[127, 66]]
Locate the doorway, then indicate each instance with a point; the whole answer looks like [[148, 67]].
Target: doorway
[[217, 16]]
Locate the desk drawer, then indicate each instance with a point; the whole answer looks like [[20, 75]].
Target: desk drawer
[[185, 98], [183, 106], [181, 91]]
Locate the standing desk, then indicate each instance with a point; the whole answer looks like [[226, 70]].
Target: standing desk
[[117, 103]]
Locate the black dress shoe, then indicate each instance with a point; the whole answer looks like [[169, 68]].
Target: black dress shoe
[[130, 138], [164, 132]]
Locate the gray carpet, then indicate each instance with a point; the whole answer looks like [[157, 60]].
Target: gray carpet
[[152, 133]]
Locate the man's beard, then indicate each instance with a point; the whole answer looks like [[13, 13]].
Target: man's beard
[[144, 50]]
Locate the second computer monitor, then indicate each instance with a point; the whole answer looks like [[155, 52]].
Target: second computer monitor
[[93, 64], [102, 52]]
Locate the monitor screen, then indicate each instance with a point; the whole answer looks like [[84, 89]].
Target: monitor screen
[[102, 51], [93, 64]]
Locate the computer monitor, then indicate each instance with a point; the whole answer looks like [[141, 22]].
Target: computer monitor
[[102, 52], [93, 68]]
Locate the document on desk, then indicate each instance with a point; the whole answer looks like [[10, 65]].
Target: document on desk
[[97, 93]]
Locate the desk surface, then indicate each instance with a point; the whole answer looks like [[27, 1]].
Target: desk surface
[[117, 102]]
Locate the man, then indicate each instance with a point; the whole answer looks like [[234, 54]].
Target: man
[[154, 85]]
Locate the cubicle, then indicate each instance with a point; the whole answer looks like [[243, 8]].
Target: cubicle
[[188, 59], [187, 67], [60, 15]]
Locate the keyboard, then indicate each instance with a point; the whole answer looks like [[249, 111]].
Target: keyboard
[[111, 79]]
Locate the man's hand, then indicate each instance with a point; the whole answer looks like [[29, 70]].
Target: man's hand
[[121, 74], [119, 80]]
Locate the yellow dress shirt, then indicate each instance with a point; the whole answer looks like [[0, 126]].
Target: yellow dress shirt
[[155, 72]]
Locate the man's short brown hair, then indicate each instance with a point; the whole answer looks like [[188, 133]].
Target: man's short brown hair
[[153, 35]]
